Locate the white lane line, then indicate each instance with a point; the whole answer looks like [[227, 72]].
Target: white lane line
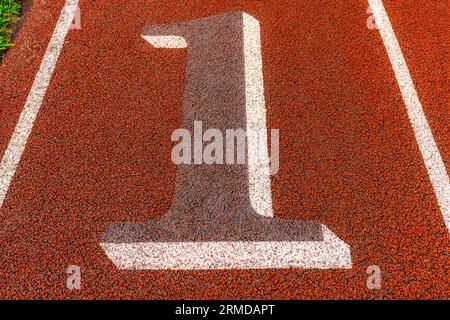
[[424, 137], [331, 253], [19, 138]]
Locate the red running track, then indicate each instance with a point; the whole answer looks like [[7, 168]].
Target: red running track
[[99, 151]]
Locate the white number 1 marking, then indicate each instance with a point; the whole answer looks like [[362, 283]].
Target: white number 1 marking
[[221, 216]]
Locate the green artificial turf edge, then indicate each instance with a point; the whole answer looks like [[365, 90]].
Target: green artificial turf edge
[[9, 13]]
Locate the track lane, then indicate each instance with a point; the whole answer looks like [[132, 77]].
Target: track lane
[[329, 89]]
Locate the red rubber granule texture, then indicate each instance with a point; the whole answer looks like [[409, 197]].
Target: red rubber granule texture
[[100, 148]]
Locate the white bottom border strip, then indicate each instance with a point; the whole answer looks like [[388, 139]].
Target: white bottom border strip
[[331, 253]]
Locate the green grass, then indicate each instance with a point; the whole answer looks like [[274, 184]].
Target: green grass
[[9, 12]]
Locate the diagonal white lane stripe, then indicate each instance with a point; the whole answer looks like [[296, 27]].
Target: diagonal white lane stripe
[[16, 145], [424, 137]]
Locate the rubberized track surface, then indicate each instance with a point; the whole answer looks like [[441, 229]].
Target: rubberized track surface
[[99, 151]]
